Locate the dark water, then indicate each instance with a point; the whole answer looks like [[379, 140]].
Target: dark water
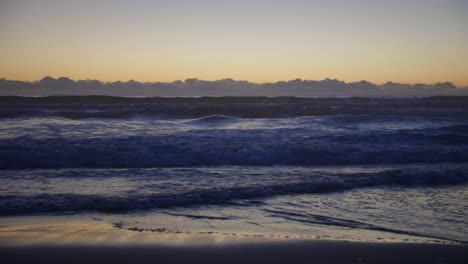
[[394, 165]]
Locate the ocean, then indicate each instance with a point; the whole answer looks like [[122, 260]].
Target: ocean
[[255, 166]]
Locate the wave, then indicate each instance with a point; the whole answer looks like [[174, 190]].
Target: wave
[[215, 146], [213, 120], [347, 223], [81, 107], [61, 202], [150, 152], [456, 128]]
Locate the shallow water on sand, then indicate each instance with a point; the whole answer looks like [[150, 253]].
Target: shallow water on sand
[[421, 200]]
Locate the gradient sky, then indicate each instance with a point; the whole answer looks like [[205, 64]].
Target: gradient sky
[[405, 41]]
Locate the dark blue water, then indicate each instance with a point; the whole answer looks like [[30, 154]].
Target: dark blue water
[[323, 162]]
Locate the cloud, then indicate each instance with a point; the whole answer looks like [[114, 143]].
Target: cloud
[[225, 87]]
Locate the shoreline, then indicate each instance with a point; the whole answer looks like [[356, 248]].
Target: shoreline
[[80, 239], [97, 229]]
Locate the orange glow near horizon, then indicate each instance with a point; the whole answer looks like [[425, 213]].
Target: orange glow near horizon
[[260, 41]]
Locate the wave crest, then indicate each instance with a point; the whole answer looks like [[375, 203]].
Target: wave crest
[[315, 183], [213, 120]]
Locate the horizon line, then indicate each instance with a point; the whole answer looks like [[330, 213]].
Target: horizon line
[[238, 80]]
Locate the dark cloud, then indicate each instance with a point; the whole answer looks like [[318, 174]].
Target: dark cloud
[[224, 87]]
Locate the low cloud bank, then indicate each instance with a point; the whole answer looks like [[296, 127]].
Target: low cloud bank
[[225, 87]]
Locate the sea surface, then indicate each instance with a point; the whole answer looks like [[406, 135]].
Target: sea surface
[[232, 165]]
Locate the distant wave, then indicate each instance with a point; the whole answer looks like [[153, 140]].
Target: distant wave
[[80, 107], [212, 120], [457, 128], [409, 177]]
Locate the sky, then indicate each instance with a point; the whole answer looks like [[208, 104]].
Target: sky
[[261, 41]]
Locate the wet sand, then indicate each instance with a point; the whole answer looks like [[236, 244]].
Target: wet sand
[[86, 241]]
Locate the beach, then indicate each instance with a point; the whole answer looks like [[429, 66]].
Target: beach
[[80, 239], [86, 242]]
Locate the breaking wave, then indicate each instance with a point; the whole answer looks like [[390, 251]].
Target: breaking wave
[[250, 188], [256, 147], [212, 120]]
